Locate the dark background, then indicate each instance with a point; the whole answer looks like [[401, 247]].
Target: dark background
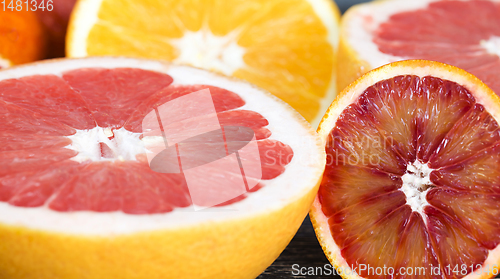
[[345, 4]]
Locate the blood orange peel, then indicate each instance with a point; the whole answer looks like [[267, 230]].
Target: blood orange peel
[[460, 33], [419, 190], [77, 193]]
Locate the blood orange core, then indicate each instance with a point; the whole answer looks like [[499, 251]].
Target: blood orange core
[[74, 142], [416, 184], [412, 178], [460, 33]]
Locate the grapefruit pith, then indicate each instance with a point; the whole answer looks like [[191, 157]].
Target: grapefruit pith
[[410, 188], [465, 34], [78, 198]]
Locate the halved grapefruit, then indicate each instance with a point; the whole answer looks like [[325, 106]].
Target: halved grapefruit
[[287, 47], [410, 189], [462, 33], [79, 200]]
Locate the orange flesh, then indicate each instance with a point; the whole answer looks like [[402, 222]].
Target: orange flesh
[[393, 125]]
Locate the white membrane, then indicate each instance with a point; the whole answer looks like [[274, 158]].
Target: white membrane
[[416, 185], [286, 126], [125, 145], [203, 49], [492, 45]]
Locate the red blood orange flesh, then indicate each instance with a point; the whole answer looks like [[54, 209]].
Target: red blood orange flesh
[[411, 173]]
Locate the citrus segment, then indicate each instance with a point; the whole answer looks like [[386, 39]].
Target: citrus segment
[[384, 236], [15, 161], [352, 184], [349, 226], [460, 33], [420, 251], [286, 47], [38, 184], [428, 198], [468, 209], [445, 109], [454, 245], [121, 90], [51, 97], [17, 120], [479, 130], [460, 176], [358, 141], [104, 187], [24, 142], [223, 101]]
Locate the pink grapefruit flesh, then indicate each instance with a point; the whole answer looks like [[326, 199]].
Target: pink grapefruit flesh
[[465, 34], [41, 112]]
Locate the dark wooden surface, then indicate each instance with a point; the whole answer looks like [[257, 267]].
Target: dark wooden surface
[[304, 251]]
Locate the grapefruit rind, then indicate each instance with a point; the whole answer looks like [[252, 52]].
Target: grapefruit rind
[[239, 240], [240, 248], [421, 68]]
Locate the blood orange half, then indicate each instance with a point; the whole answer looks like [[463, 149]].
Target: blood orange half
[[78, 198], [410, 188], [464, 33]]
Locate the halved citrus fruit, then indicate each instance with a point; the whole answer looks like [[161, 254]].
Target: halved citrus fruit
[[22, 38], [286, 47], [79, 200], [464, 33], [410, 188]]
